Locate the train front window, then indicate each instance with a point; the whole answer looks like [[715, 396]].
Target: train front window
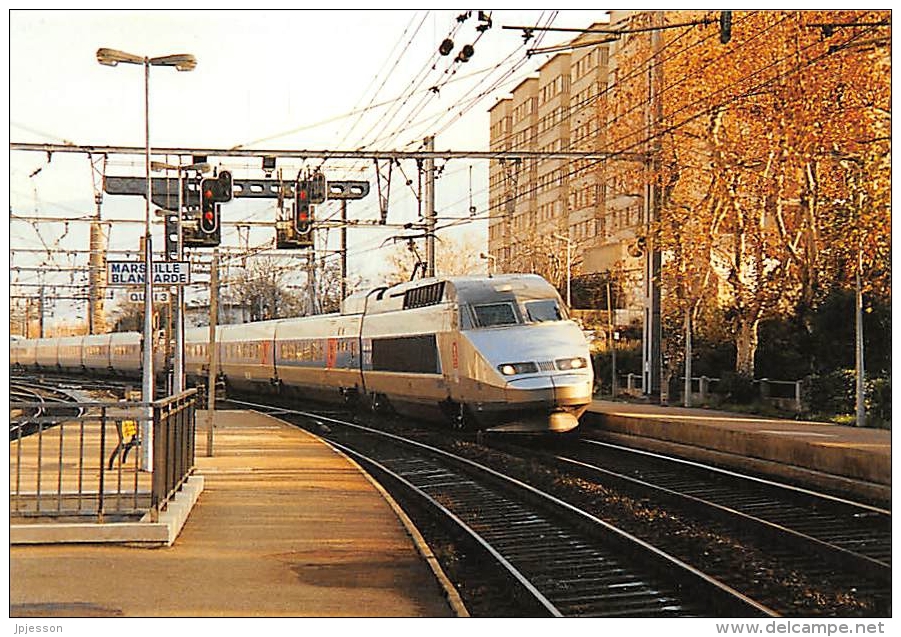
[[492, 314], [544, 310]]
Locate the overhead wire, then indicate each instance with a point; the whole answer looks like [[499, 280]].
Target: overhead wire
[[731, 99], [387, 76]]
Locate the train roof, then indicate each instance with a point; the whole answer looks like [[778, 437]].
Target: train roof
[[429, 291]]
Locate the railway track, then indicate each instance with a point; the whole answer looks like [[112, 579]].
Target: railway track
[[819, 532], [36, 406], [560, 559]]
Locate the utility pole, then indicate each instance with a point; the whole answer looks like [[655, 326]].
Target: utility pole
[[612, 342], [311, 282], [212, 354], [343, 249], [569, 246], [96, 247], [688, 354], [652, 333], [859, 402], [41, 313], [429, 145], [179, 360]]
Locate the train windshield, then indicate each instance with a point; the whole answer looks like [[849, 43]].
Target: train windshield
[[492, 314], [544, 310]]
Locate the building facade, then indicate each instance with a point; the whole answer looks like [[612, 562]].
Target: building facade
[[539, 208]]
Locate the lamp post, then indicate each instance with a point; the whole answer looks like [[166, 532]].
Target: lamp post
[[182, 62], [178, 374], [569, 245], [491, 262]]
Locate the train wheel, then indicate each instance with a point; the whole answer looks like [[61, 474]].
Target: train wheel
[[378, 404], [456, 414], [460, 419]]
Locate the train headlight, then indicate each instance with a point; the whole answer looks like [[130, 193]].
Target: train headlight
[[511, 369], [564, 364]]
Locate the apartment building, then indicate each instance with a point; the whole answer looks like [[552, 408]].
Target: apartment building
[[539, 206]]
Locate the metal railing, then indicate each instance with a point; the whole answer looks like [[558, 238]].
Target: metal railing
[[81, 460], [785, 394], [173, 447]]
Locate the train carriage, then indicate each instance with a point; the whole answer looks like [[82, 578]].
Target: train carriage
[[46, 356], [404, 330], [125, 352], [318, 357], [96, 355], [23, 352], [520, 354], [69, 354], [245, 354], [196, 343], [496, 352]]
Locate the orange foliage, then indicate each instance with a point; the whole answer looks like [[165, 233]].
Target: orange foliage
[[770, 153]]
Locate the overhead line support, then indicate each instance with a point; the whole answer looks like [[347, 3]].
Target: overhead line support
[[332, 154]]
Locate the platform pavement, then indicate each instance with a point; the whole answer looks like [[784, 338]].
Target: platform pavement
[[285, 526], [843, 459]]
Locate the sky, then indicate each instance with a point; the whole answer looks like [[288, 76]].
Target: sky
[[291, 79]]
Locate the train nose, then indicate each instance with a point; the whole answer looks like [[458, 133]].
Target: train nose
[[571, 389], [530, 389], [562, 389]]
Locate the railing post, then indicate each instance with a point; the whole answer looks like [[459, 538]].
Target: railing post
[[764, 389], [702, 388], [158, 478], [171, 451], [102, 464], [798, 406], [18, 466]]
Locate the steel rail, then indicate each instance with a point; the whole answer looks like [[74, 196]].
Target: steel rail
[[604, 535], [796, 521], [468, 530]]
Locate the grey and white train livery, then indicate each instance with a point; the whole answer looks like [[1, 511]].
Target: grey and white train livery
[[488, 352]]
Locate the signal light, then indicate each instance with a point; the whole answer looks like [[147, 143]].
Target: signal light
[[172, 236], [303, 211], [317, 187], [209, 218]]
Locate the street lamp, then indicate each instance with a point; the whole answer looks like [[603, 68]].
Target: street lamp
[[178, 384], [491, 262], [182, 62], [569, 245]]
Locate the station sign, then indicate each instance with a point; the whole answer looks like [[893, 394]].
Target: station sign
[[132, 272], [158, 297]]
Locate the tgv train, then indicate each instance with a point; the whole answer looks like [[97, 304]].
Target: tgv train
[[490, 352]]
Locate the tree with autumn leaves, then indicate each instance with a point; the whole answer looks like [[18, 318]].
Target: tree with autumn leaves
[[771, 160]]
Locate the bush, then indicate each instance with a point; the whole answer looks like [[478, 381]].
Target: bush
[[628, 360], [737, 388], [831, 393], [879, 401], [835, 395]]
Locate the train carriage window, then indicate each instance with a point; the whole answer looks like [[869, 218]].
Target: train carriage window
[[411, 354], [544, 310], [492, 314]]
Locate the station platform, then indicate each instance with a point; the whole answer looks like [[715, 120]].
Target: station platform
[[285, 527], [839, 459]]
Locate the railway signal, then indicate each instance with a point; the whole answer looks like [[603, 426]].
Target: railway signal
[[303, 209], [172, 236], [317, 188], [209, 214], [212, 193]]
